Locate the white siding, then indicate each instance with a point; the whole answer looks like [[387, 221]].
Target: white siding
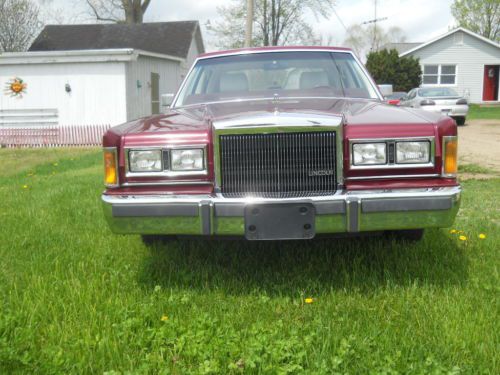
[[469, 57], [97, 91], [138, 83]]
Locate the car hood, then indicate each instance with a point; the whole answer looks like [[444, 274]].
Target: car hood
[[353, 112]]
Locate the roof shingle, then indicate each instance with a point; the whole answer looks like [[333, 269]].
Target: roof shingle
[[168, 38]]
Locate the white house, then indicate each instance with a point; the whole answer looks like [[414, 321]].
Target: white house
[[460, 59], [96, 74]]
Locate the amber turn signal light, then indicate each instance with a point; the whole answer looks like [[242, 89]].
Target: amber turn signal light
[[110, 167], [450, 156]]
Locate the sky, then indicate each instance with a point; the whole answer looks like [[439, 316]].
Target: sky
[[420, 20]]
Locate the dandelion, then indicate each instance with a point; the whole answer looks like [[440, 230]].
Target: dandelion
[[308, 300], [482, 236], [453, 231], [462, 238], [164, 318], [25, 187]]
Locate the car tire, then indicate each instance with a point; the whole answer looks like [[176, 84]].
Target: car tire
[[410, 235], [153, 239], [460, 121]]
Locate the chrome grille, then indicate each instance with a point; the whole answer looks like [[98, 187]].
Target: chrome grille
[[278, 165]]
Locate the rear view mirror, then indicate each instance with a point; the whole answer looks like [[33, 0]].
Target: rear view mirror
[[167, 99]]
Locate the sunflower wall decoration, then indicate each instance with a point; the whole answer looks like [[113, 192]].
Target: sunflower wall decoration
[[15, 87]]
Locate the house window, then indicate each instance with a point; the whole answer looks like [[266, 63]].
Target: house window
[[431, 75], [439, 74]]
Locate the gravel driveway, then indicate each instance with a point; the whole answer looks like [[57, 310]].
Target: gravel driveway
[[479, 143]]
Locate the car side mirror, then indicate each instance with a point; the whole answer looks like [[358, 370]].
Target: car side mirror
[[167, 99]]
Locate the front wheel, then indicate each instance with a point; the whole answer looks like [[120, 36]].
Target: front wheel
[[410, 235], [460, 120]]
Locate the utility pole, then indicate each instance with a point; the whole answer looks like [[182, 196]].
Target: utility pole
[[249, 24], [374, 21]]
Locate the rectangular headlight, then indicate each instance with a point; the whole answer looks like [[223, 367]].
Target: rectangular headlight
[[413, 152], [369, 153], [192, 159], [145, 160]]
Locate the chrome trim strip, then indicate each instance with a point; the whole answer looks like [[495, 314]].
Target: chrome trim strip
[[394, 165], [285, 120], [167, 183], [447, 138], [393, 176], [114, 150], [339, 196], [166, 172]]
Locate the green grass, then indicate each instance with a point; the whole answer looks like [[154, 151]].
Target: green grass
[[77, 299], [474, 168], [483, 112]]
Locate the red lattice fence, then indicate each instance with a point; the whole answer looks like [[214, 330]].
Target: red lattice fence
[[53, 136]]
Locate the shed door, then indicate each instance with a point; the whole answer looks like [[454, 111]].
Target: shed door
[[155, 93], [490, 84]]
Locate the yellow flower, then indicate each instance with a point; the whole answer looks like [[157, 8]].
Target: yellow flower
[[25, 186], [462, 238], [164, 318], [308, 300], [482, 236], [453, 231]]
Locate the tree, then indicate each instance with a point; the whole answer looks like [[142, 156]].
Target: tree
[[276, 22], [404, 73], [362, 40], [480, 16], [119, 11], [19, 24]]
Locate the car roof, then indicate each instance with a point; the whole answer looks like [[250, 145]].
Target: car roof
[[241, 51]]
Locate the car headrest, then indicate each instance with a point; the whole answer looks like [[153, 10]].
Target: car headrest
[[310, 80], [233, 82]]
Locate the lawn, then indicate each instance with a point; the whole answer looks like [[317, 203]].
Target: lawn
[[484, 112], [77, 299]]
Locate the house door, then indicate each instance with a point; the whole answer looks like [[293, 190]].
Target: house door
[[490, 85], [155, 93]]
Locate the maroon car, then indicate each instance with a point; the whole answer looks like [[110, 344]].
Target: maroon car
[[281, 143]]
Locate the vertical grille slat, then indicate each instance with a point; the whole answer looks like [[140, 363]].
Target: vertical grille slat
[[278, 164]]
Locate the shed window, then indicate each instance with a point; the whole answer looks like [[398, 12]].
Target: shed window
[[439, 74]]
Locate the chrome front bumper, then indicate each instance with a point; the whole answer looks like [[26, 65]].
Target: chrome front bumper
[[354, 211]]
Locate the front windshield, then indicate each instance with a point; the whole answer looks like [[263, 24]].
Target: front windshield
[[269, 74], [434, 92]]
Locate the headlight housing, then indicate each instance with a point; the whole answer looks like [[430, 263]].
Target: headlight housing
[[369, 154], [145, 160], [413, 152], [184, 160]]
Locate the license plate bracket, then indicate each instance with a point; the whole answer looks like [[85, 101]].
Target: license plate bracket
[[280, 221]]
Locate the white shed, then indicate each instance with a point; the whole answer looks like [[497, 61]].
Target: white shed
[[463, 60], [72, 76]]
